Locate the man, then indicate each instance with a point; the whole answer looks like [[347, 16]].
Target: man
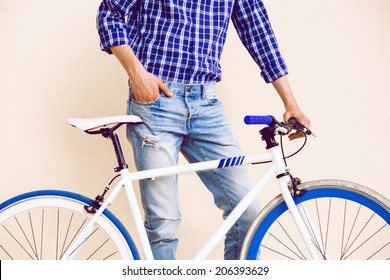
[[171, 50]]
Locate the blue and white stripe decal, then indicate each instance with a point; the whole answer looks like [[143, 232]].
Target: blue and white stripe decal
[[225, 162]]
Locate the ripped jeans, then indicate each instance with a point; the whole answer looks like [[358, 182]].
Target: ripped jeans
[[194, 123]]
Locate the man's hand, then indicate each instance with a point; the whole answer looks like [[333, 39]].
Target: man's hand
[[296, 113], [146, 87]]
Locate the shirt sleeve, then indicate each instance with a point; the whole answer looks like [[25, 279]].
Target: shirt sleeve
[[115, 23], [251, 21]]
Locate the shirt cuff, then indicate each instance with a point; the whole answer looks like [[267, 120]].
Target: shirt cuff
[[274, 70], [113, 37]]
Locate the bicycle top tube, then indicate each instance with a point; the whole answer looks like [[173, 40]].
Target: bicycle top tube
[[200, 166]]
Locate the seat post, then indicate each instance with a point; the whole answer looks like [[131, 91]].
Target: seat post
[[108, 133]]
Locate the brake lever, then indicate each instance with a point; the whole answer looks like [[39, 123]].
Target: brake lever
[[294, 123], [309, 132]]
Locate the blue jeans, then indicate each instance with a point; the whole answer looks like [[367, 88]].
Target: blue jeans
[[194, 123]]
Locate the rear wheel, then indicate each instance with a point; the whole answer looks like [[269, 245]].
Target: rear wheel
[[42, 225]]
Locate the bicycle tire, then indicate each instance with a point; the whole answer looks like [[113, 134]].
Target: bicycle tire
[[42, 224], [365, 236]]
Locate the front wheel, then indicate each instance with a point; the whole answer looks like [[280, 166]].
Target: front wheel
[[347, 221], [42, 225]]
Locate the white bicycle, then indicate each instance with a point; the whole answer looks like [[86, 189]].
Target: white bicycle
[[325, 219]]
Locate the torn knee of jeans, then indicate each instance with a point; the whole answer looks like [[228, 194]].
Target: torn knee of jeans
[[150, 141]]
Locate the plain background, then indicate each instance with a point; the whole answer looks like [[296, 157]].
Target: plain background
[[51, 68]]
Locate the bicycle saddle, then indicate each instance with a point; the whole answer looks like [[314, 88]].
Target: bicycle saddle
[[91, 123]]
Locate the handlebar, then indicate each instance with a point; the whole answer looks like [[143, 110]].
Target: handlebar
[[281, 127], [266, 120]]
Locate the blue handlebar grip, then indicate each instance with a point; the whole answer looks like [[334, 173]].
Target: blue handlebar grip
[[258, 120]]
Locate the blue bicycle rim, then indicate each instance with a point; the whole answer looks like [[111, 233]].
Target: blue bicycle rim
[[312, 194], [82, 199]]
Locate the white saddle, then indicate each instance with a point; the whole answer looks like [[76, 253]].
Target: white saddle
[[91, 123]]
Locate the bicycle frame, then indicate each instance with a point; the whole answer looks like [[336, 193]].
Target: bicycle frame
[[276, 167]]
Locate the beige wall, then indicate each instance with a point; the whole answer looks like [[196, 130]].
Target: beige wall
[[51, 68]]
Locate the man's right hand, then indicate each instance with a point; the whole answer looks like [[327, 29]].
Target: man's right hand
[[146, 86]]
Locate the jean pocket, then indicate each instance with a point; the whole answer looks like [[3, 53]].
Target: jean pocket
[[134, 100]]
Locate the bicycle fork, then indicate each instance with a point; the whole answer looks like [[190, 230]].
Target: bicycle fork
[[304, 225]]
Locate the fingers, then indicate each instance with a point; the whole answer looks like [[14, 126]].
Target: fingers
[[299, 116], [148, 88], [305, 121], [144, 95], [164, 88]]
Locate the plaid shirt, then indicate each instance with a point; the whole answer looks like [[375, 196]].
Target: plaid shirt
[[182, 40]]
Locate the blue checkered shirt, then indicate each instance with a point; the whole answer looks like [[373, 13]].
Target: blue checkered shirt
[[182, 40]]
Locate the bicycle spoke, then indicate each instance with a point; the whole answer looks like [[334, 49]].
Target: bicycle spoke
[[328, 225], [364, 242], [277, 252], [302, 257], [109, 256], [101, 246], [284, 244], [380, 249], [5, 251], [85, 240], [58, 232], [21, 246], [74, 236], [346, 248], [319, 224], [42, 232], [322, 247], [33, 235], [343, 231], [357, 236], [25, 236], [66, 235]]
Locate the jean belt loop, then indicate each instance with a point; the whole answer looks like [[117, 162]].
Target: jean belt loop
[[206, 88]]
